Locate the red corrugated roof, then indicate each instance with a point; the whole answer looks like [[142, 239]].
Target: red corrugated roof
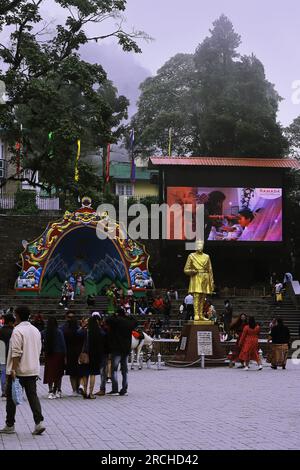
[[227, 161]]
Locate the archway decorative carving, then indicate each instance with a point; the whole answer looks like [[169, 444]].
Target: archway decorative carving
[[126, 260]]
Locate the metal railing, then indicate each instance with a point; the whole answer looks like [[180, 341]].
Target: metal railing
[[261, 291], [138, 197], [43, 203], [250, 292]]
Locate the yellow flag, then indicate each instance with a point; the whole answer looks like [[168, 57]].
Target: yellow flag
[[170, 141], [76, 176]]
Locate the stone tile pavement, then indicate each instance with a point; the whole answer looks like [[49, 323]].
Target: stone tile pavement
[[172, 409]]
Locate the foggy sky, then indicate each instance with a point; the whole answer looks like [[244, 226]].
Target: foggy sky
[[123, 69], [269, 29]]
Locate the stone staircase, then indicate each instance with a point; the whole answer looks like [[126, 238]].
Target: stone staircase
[[289, 313], [50, 305], [262, 308]]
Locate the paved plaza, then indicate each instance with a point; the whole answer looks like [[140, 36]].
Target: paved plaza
[[172, 409]]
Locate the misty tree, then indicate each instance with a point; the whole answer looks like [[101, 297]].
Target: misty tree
[[51, 91], [293, 135], [219, 103], [166, 102]]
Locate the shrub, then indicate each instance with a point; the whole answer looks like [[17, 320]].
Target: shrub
[[149, 200], [25, 203]]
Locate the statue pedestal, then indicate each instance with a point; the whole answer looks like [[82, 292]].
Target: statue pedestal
[[196, 338]]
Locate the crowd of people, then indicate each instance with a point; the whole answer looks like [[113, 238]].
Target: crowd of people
[[99, 344], [72, 286], [96, 346], [119, 299], [222, 319], [146, 305], [156, 309], [247, 331]]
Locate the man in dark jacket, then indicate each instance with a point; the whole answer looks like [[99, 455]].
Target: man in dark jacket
[[5, 334], [119, 344], [280, 335]]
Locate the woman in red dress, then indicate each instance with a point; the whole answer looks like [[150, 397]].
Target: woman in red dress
[[249, 344], [237, 325]]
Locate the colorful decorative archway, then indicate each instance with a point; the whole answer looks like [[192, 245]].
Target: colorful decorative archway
[[74, 245]]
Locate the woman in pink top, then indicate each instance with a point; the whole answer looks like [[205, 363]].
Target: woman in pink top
[[249, 344]]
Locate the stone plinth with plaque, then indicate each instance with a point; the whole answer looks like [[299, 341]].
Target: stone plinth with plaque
[[197, 339], [201, 336]]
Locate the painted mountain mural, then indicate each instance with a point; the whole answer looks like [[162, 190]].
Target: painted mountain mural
[[80, 251]]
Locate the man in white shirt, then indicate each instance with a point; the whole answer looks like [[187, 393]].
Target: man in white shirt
[[189, 305], [278, 292], [23, 362], [278, 287]]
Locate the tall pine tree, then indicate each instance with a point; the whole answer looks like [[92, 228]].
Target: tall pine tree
[[219, 103]]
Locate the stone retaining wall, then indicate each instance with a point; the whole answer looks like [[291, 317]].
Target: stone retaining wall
[[15, 228]]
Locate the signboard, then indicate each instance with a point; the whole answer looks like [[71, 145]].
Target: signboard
[[183, 343], [204, 343]]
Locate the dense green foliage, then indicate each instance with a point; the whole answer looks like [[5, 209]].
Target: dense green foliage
[[50, 89], [216, 102]]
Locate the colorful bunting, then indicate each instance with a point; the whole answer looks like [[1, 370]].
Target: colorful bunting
[[76, 176], [170, 141], [18, 157], [18, 148], [107, 168], [50, 139], [131, 142]]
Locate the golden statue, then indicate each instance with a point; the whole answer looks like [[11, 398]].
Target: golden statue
[[198, 267]]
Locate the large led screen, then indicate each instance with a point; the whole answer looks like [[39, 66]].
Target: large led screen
[[231, 214]]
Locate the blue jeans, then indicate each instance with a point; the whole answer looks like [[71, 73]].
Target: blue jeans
[[3, 377], [117, 359]]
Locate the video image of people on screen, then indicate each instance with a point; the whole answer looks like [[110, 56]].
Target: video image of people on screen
[[231, 214]]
